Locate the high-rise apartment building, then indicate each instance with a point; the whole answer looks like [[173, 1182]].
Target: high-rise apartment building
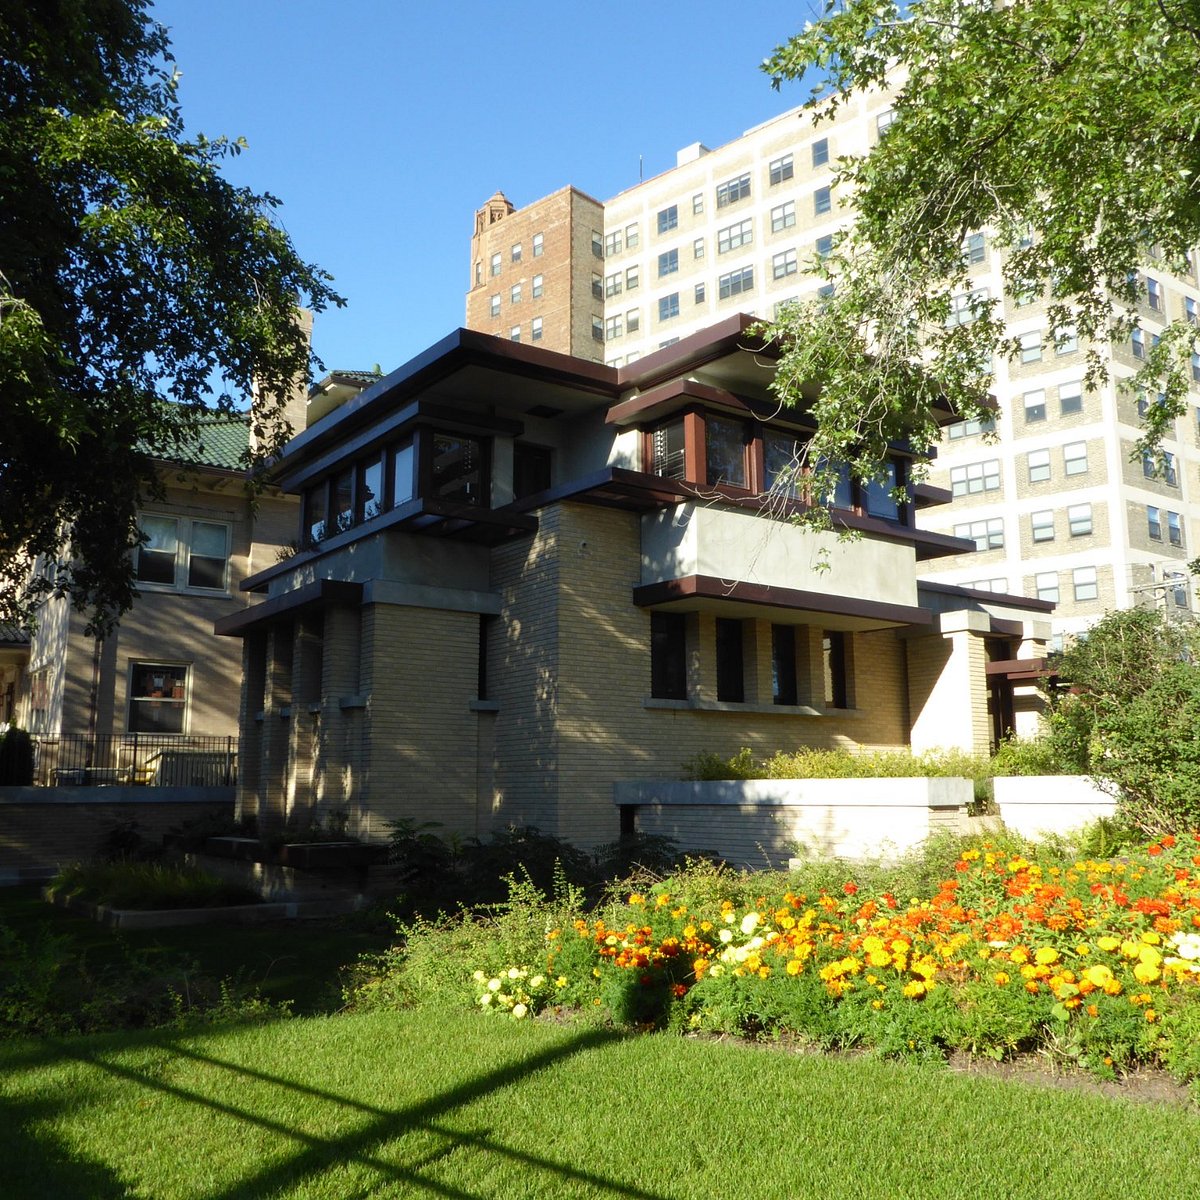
[[1057, 503]]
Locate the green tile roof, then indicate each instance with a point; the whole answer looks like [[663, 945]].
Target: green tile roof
[[220, 441]]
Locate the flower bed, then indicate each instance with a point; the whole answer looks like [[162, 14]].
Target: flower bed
[[1097, 962]]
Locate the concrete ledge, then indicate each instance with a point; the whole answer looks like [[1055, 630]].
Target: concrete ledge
[[1035, 805], [117, 794], [233, 914]]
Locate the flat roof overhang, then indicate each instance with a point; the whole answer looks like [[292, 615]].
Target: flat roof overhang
[[1021, 670], [320, 594], [722, 597]]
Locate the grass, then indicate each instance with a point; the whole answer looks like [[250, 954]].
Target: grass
[[286, 960], [148, 886], [428, 1103]]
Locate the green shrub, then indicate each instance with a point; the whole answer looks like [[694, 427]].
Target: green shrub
[[125, 884], [16, 758], [708, 766]]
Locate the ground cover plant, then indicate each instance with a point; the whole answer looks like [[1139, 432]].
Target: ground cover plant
[[147, 885], [995, 948], [433, 1102]]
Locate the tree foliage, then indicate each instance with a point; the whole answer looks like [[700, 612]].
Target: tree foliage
[[132, 276], [1066, 128]]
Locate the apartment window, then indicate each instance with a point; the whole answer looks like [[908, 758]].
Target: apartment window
[[734, 236], [1169, 468], [1179, 591], [538, 245], [1066, 340], [725, 452], [667, 456], [781, 169], [1189, 310], [535, 329], [974, 248], [535, 287], [514, 294], [1039, 465], [668, 263], [633, 355], [783, 265], [698, 248], [668, 656], [1046, 586], [782, 455], [631, 278], [822, 201], [613, 328], [987, 585], [1154, 294], [1031, 346], [735, 282], [825, 246], [965, 307], [668, 219], [733, 190], [515, 253], [1042, 524], [1174, 529], [633, 321], [597, 286], [697, 204], [731, 685], [971, 428], [1138, 344], [820, 152], [1153, 523], [1196, 366], [514, 334], [1075, 460], [1035, 406], [496, 263], [971, 478], [495, 305], [632, 237], [368, 502], [783, 665], [1070, 397], [158, 696], [612, 284], [1151, 467], [884, 122], [783, 216], [668, 306], [478, 272], [699, 293], [612, 244], [1079, 519], [833, 656], [597, 244], [987, 535], [1084, 581], [183, 554], [597, 329]]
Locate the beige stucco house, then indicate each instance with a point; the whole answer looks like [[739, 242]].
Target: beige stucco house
[[524, 577]]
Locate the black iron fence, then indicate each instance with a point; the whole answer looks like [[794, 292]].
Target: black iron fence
[[144, 759]]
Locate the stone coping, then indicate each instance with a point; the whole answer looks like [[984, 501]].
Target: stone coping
[[233, 914]]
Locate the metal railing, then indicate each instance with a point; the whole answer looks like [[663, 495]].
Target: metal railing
[[142, 759]]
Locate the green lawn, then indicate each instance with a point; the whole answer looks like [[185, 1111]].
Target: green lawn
[[421, 1103]]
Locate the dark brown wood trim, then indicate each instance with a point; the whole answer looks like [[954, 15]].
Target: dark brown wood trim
[[694, 453]]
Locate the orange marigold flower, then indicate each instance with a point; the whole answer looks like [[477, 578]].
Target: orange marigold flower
[[849, 887], [1032, 986], [1154, 850], [1169, 841]]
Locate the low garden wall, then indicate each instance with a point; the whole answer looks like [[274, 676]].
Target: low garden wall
[[1035, 805], [42, 829], [763, 822]]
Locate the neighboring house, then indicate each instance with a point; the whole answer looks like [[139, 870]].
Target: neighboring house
[[14, 659], [1059, 506], [524, 577]]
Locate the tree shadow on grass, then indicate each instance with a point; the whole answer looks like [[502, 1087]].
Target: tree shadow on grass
[[315, 1154]]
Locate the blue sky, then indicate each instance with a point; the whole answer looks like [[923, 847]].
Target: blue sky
[[383, 126]]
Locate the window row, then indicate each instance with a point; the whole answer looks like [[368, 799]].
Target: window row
[[535, 331], [1154, 525], [1031, 346], [517, 291], [790, 666], [621, 324], [1070, 401], [1079, 522], [1161, 467], [515, 255], [622, 239], [1074, 456], [1084, 585]]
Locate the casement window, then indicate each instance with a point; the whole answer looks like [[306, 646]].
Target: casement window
[[1079, 519], [613, 327], [668, 306], [612, 244], [879, 494], [1190, 310], [783, 216], [781, 169], [1154, 294], [784, 264], [731, 676], [698, 248], [822, 201], [725, 444], [1137, 344], [783, 454], [884, 122], [369, 493], [1042, 524], [820, 152], [514, 294], [972, 478], [733, 190], [158, 697], [1083, 580], [667, 456], [1046, 586], [597, 244], [613, 284], [1153, 523], [1039, 465], [668, 263], [668, 219], [183, 554], [1070, 398], [987, 535], [514, 334], [783, 665], [631, 278], [1035, 406], [735, 283], [598, 329], [1075, 458], [668, 656], [597, 286], [732, 237], [1151, 467], [824, 246]]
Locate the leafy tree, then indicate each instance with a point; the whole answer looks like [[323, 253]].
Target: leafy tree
[[132, 275], [1067, 128]]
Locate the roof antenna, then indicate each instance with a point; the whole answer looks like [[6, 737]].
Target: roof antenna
[[639, 168]]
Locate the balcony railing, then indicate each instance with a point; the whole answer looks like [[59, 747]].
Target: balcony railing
[[143, 759]]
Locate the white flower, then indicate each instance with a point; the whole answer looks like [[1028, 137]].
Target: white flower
[[519, 1010], [727, 917], [515, 973], [537, 981], [726, 935], [493, 985], [485, 999], [479, 977], [1187, 944], [750, 923]]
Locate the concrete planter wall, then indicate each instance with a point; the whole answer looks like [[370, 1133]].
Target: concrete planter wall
[[1035, 805], [762, 822]]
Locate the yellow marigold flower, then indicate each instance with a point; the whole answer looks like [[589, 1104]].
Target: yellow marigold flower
[[1046, 955], [1145, 972], [872, 943], [1150, 956], [1131, 949], [1150, 937], [1083, 949], [764, 972], [637, 898], [795, 966], [970, 855], [706, 926], [915, 988], [1113, 987], [561, 982], [878, 958], [1032, 986], [1098, 976], [1029, 971], [1018, 954], [662, 900], [1000, 978], [876, 1004], [689, 931], [1151, 1015], [900, 945], [1108, 944]]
